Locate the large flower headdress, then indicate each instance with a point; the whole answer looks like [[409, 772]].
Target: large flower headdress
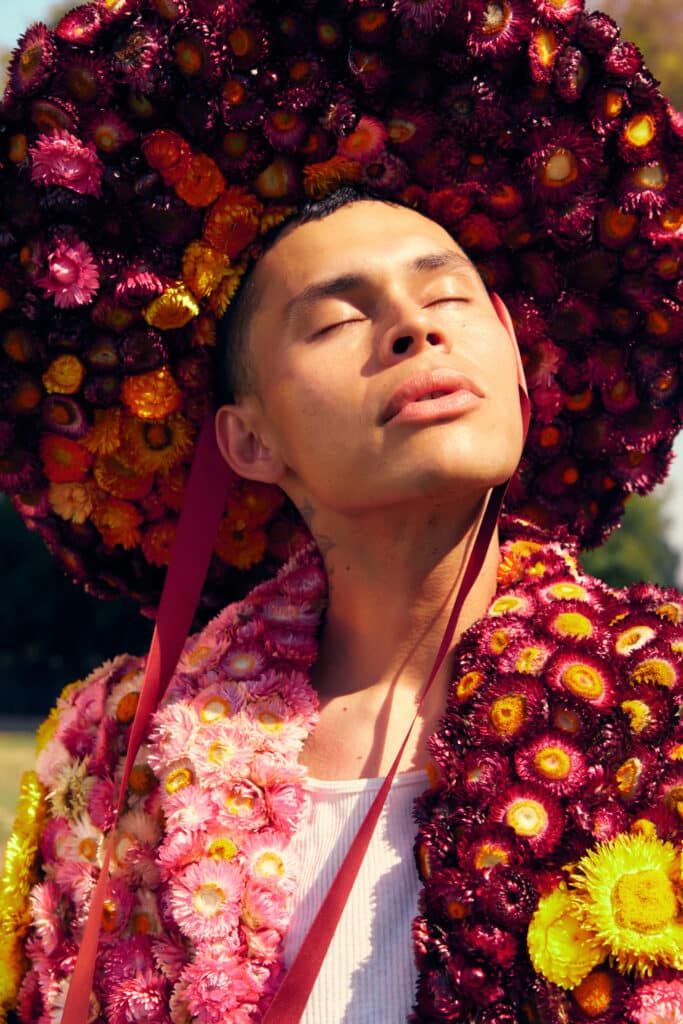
[[148, 145]]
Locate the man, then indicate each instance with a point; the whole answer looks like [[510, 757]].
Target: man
[[168, 857]]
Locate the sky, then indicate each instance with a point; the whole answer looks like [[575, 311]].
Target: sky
[[16, 17]]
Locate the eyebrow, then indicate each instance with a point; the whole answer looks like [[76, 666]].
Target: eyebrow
[[442, 259]]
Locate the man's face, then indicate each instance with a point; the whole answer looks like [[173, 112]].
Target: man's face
[[384, 374]]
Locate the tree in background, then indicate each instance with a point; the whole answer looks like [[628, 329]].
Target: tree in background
[[638, 549]]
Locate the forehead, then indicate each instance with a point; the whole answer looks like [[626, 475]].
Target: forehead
[[366, 237]]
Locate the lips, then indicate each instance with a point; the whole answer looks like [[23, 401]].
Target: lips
[[432, 393]]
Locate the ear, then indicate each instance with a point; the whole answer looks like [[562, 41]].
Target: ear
[[503, 314], [242, 444]]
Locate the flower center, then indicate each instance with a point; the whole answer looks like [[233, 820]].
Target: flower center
[[488, 855], [496, 18], [179, 779], [63, 269], [583, 681], [561, 168], [641, 129], [269, 721], [222, 849], [208, 900], [214, 710], [508, 713], [594, 994], [655, 672], [126, 707], [573, 624], [644, 901], [269, 865], [527, 817], [553, 762]]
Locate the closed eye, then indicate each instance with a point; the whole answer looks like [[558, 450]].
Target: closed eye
[[334, 326]]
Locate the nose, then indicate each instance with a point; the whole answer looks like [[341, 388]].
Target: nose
[[410, 332]]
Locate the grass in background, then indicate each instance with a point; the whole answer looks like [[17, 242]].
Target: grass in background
[[17, 755]]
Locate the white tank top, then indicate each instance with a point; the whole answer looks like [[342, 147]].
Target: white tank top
[[368, 975]]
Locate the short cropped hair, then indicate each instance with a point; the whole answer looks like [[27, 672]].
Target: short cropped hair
[[235, 373]]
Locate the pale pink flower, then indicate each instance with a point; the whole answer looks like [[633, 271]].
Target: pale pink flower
[[213, 987], [547, 359], [78, 878], [72, 276], [118, 905], [145, 916], [278, 725], [262, 943], [658, 1002], [47, 919], [273, 767], [174, 729], [205, 900], [218, 701], [268, 858], [224, 750], [285, 802], [62, 159], [51, 761], [240, 805], [264, 906]]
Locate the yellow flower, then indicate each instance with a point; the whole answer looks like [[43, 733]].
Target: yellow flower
[[118, 521], [64, 375], [225, 292], [560, 947], [104, 437], [172, 309], [157, 445], [203, 268], [153, 395], [627, 893]]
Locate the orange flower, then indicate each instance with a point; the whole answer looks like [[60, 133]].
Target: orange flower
[[71, 501], [64, 460], [323, 178], [157, 445], [118, 522], [233, 221], [241, 548], [203, 268], [225, 293], [174, 308], [157, 542], [202, 183], [104, 437], [168, 153], [64, 375], [117, 477], [204, 330], [171, 488], [256, 504], [153, 395], [273, 216]]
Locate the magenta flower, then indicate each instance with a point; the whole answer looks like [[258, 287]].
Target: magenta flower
[[62, 159], [72, 276], [205, 899]]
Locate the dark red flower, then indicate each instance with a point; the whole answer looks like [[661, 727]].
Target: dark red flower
[[33, 60], [497, 27], [571, 74], [81, 25], [509, 897]]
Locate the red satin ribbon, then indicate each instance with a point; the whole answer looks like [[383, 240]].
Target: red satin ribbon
[[192, 548]]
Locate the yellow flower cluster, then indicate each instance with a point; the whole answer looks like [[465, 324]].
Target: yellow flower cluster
[[18, 876], [624, 904]]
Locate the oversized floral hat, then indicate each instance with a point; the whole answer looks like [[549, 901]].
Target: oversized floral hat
[[146, 146]]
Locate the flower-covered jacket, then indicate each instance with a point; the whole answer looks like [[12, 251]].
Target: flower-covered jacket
[[548, 845]]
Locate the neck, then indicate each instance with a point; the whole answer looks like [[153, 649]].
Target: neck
[[392, 583]]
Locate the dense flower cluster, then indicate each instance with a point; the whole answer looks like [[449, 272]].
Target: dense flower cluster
[[550, 847], [202, 877], [147, 147]]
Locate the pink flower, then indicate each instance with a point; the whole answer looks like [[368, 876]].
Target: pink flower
[[205, 899], [265, 907], [141, 998], [213, 987], [170, 955], [45, 901], [72, 276], [62, 159], [658, 1002]]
